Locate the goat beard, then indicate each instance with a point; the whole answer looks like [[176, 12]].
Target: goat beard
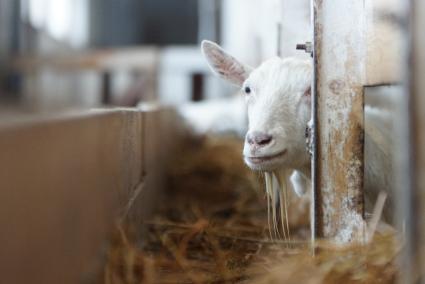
[[277, 183]]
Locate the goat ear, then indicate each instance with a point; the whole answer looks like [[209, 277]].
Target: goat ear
[[223, 64]]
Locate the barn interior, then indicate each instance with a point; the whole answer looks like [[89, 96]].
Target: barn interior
[[121, 150]]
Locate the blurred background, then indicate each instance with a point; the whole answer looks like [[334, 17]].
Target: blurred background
[[57, 54]]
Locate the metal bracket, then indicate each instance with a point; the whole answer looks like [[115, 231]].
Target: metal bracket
[[307, 47]]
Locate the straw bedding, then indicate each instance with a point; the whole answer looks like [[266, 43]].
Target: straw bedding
[[212, 228]]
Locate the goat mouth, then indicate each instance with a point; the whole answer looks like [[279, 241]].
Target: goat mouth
[[263, 159]]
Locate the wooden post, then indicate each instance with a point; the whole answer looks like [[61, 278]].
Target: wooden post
[[338, 110]]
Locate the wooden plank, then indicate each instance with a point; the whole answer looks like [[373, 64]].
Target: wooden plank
[[136, 58], [65, 181], [339, 71]]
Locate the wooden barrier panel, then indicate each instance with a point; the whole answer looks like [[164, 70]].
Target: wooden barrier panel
[[137, 58], [65, 181]]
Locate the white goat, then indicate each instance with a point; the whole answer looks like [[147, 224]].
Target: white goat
[[278, 99]]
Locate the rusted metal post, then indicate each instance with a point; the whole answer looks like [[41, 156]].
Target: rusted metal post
[[411, 161], [418, 84], [339, 53]]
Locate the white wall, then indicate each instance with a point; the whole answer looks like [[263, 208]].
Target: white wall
[[249, 32], [177, 64], [62, 20], [249, 28], [384, 41]]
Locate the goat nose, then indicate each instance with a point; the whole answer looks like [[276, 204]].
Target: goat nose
[[259, 139]]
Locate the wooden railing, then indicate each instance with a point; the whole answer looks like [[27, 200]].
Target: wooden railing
[[65, 180]]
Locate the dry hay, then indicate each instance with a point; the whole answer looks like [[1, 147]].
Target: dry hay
[[372, 263], [212, 228]]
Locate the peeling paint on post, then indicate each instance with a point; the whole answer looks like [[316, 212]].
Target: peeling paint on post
[[339, 52]]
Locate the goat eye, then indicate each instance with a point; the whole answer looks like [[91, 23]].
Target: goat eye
[[247, 90]]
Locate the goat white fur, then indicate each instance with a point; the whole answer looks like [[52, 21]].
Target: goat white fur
[[277, 95]]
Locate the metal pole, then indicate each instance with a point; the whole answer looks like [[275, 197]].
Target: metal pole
[[411, 148], [339, 52]]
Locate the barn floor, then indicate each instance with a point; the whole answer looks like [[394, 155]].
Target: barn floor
[[213, 228]]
